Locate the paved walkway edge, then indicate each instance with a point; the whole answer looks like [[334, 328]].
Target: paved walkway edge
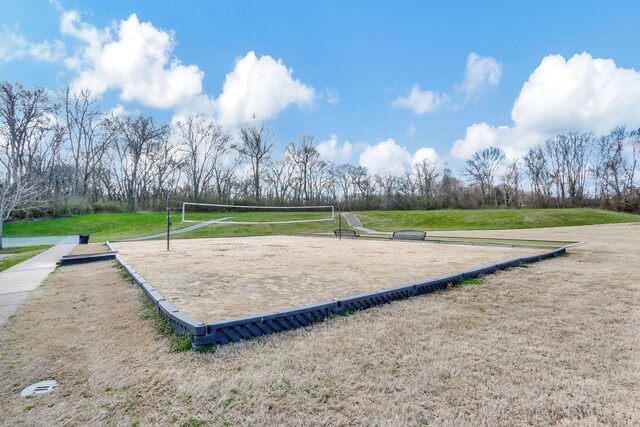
[[354, 222], [17, 282], [172, 232]]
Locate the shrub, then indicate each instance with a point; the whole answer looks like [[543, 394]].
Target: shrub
[[108, 206], [75, 206]]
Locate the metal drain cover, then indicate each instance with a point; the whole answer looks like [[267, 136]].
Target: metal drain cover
[[39, 388]]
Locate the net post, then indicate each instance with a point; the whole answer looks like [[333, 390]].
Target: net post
[[339, 225], [168, 220]]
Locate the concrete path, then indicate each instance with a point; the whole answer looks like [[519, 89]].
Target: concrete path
[[172, 232], [18, 281], [354, 222], [14, 242]]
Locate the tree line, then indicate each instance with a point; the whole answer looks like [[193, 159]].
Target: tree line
[[61, 154]]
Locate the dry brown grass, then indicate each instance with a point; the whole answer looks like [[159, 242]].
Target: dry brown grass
[[553, 344], [217, 279]]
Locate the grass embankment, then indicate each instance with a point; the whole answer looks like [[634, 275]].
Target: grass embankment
[[100, 226], [19, 255], [257, 216], [493, 219], [121, 226]]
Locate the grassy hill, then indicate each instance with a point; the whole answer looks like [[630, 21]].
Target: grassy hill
[[489, 219], [120, 226], [100, 226]]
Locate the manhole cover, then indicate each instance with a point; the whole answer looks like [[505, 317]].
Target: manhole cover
[[39, 388]]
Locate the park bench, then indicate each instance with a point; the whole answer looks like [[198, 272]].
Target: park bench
[[408, 235], [345, 232]]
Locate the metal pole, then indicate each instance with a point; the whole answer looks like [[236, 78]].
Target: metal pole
[[339, 224], [168, 220]]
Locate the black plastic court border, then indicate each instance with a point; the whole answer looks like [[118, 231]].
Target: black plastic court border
[[86, 258], [233, 330]]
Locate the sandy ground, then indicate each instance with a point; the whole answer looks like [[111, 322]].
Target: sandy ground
[[557, 343], [91, 248], [217, 279]]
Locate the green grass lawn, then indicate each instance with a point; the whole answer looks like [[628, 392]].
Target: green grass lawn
[[19, 254], [257, 216], [121, 226], [493, 219], [101, 226]]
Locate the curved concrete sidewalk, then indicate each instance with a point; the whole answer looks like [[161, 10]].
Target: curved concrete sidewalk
[[14, 242], [17, 282], [172, 232], [354, 222]]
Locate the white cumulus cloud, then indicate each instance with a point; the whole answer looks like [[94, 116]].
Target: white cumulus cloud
[[386, 158], [390, 158], [425, 153], [579, 94], [135, 58], [421, 102], [14, 46], [582, 93], [331, 150], [260, 88], [480, 72]]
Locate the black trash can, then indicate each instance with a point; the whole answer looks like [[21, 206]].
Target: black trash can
[[84, 239]]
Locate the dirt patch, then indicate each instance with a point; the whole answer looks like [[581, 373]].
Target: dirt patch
[[216, 279], [557, 343], [91, 248]]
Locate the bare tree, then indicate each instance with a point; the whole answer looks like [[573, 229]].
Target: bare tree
[[88, 135], [204, 144], [568, 156], [281, 177], [15, 194], [406, 185], [138, 138], [255, 145], [304, 156], [387, 184], [225, 178], [537, 169], [511, 182], [320, 179], [363, 183], [25, 122], [613, 171], [167, 164], [342, 177], [450, 190], [482, 167], [426, 173]]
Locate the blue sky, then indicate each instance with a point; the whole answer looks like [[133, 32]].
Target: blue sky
[[382, 84]]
